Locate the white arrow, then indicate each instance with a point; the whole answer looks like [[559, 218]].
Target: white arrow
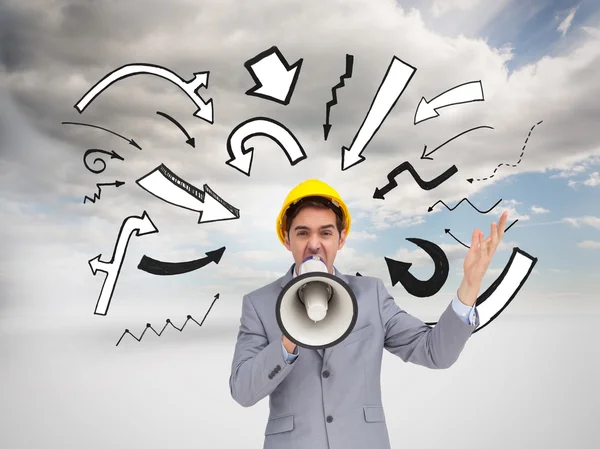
[[396, 79], [275, 79], [241, 157], [141, 226], [166, 185], [491, 303], [200, 79], [463, 93]]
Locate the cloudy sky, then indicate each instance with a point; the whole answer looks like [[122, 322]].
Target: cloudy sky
[[537, 62]]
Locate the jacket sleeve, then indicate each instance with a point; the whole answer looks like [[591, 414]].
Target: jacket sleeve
[[412, 340], [258, 365]]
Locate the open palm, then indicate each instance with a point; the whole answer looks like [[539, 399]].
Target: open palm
[[481, 252]]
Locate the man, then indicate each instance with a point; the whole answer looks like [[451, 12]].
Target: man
[[331, 399]]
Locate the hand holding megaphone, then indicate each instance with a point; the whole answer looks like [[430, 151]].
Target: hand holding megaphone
[[316, 309]]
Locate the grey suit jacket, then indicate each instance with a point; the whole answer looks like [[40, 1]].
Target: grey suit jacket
[[331, 399]]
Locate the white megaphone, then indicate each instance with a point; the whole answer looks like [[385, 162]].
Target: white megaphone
[[316, 309]]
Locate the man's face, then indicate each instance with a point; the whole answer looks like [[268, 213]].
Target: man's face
[[313, 232]]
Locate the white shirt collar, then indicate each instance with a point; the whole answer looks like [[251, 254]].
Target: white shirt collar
[[335, 273]]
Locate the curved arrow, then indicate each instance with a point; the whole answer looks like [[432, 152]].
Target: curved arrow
[[99, 187], [241, 159], [113, 155], [274, 78], [153, 266], [467, 246], [200, 79], [426, 156], [422, 289], [141, 226], [425, 185], [395, 80], [190, 140], [458, 204], [491, 303], [166, 185], [463, 93], [130, 141]]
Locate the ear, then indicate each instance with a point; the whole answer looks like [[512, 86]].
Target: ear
[[286, 237], [342, 239]]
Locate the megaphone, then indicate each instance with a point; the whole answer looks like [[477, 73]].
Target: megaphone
[[316, 310]]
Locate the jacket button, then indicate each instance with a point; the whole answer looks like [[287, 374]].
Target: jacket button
[[325, 374], [329, 418]]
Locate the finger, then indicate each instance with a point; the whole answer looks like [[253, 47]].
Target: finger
[[482, 244], [502, 224], [494, 238], [475, 240]]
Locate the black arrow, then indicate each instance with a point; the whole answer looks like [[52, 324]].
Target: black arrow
[[358, 274], [467, 246], [425, 185], [464, 199], [347, 74], [168, 322], [509, 165], [160, 268], [190, 140], [425, 156], [99, 186], [131, 141], [113, 155], [422, 289]]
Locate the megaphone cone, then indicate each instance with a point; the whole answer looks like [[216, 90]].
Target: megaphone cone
[[316, 309]]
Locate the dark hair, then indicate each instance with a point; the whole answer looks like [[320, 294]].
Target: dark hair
[[318, 202]]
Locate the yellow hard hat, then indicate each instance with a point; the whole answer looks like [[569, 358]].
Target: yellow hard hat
[[311, 187]]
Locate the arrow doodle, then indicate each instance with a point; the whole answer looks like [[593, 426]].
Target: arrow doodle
[[347, 75], [141, 226], [426, 156], [190, 140], [425, 185], [508, 165], [491, 303], [113, 155], [422, 289], [463, 93], [394, 83], [130, 141], [160, 268], [167, 186], [99, 187], [467, 246], [458, 204], [191, 87], [168, 322], [241, 159], [274, 78]]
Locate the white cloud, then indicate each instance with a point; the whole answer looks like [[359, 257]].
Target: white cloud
[[565, 24], [41, 160], [589, 244], [539, 210], [586, 220], [593, 180], [440, 7]]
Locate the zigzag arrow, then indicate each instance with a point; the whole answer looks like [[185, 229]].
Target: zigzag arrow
[[149, 326], [99, 187], [333, 101], [464, 199]]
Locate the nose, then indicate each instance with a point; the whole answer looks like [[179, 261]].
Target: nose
[[314, 243]]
